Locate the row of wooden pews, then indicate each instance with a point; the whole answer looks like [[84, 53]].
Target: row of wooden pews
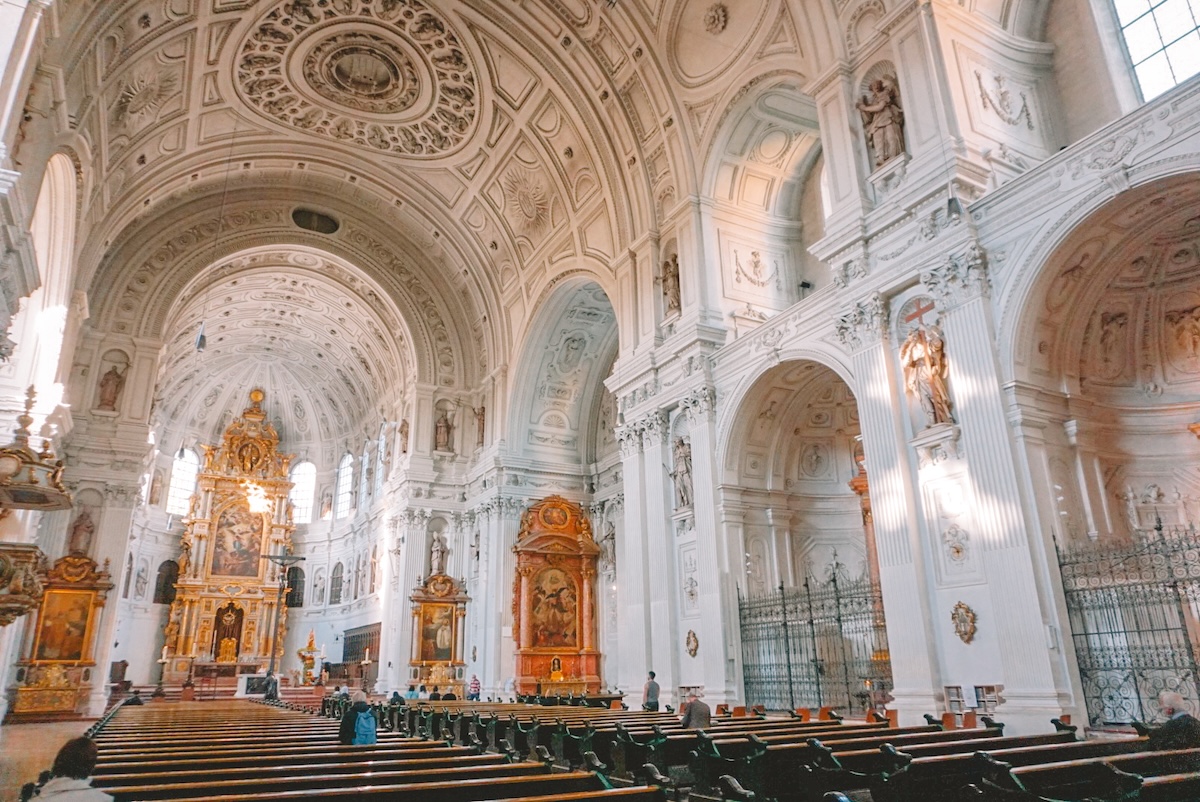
[[225, 751]]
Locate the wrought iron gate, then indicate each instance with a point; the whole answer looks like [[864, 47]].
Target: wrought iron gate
[[1134, 612], [823, 643]]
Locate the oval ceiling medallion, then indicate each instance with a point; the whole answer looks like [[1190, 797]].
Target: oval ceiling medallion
[[390, 75]]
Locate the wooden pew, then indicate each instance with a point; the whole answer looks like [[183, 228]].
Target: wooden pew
[[948, 776], [1097, 777]]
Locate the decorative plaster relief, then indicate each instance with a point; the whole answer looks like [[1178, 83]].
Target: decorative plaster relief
[[689, 580], [397, 74], [1001, 101]]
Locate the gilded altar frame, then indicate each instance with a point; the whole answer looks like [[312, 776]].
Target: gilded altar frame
[[439, 611], [554, 600], [222, 570], [57, 674]]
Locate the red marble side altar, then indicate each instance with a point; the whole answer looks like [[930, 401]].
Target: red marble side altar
[[553, 598]]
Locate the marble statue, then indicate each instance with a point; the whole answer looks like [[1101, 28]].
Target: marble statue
[[82, 531], [480, 423], [670, 285], [441, 433], [404, 436], [883, 119], [111, 384], [683, 473], [437, 556]]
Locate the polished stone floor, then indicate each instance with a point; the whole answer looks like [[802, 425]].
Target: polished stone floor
[[26, 749]]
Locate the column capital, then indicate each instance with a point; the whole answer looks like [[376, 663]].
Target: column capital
[[864, 324], [655, 428], [629, 439], [959, 278], [700, 404]]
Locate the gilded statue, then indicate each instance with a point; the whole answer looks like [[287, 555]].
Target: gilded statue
[[923, 355]]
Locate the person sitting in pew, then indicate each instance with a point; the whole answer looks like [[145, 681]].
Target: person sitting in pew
[[136, 699], [436, 695], [411, 693], [449, 696], [396, 699], [1182, 730], [347, 731], [70, 777], [422, 693], [697, 715]]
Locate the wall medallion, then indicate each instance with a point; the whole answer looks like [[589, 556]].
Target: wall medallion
[[390, 75], [692, 643], [964, 622]]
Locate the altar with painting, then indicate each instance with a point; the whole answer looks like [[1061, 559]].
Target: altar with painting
[[553, 605]]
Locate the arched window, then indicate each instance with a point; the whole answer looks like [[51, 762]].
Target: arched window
[[295, 580], [345, 487], [304, 488], [183, 481], [164, 583], [335, 584], [374, 569]]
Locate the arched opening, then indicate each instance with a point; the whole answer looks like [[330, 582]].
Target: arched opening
[[336, 580], [304, 488], [1109, 349], [295, 581], [797, 502], [164, 582], [344, 494], [183, 481]]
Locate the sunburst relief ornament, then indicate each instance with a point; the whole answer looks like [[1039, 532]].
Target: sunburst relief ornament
[[527, 200]]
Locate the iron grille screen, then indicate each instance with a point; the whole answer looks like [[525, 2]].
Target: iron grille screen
[[821, 644], [1134, 609]]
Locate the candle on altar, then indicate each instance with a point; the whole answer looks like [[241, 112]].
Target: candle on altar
[[164, 653], [366, 657]]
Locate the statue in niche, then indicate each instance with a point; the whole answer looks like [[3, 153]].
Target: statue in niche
[[923, 355], [111, 384], [437, 556], [139, 583], [670, 285], [319, 588], [682, 452], [404, 436], [608, 550], [883, 119], [156, 489], [441, 433], [82, 531], [480, 423], [185, 557], [326, 504]]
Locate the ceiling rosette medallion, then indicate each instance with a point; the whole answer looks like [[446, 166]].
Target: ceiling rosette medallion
[[390, 75]]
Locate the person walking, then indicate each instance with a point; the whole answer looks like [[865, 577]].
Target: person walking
[[473, 689], [698, 715], [650, 693]]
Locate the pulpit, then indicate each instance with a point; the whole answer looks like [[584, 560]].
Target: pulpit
[[553, 600]]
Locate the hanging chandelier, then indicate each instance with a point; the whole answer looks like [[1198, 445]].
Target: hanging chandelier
[[30, 480]]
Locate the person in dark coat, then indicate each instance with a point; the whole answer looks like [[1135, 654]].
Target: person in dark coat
[[349, 716], [697, 716], [1182, 730]]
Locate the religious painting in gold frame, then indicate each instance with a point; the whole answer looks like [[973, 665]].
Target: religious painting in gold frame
[[437, 628], [237, 545], [65, 626], [554, 613]]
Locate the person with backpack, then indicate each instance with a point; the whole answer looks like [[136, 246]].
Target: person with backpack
[[358, 722]]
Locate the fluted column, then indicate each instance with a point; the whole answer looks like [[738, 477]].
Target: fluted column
[[1015, 598], [664, 639], [717, 597], [119, 503], [633, 612], [902, 574]]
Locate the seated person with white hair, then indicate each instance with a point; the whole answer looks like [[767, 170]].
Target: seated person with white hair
[[1182, 730]]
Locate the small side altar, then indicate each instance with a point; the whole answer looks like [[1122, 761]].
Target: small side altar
[[439, 608], [553, 601]]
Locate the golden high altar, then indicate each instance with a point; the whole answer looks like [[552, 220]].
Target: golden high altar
[[553, 600], [226, 594]]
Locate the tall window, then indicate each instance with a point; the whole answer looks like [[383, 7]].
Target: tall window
[[295, 580], [164, 583], [335, 584], [345, 487], [304, 487], [1163, 41], [183, 481]]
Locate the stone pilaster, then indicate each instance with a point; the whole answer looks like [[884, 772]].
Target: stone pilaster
[[633, 569], [902, 575], [662, 576], [1014, 597], [717, 600]]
